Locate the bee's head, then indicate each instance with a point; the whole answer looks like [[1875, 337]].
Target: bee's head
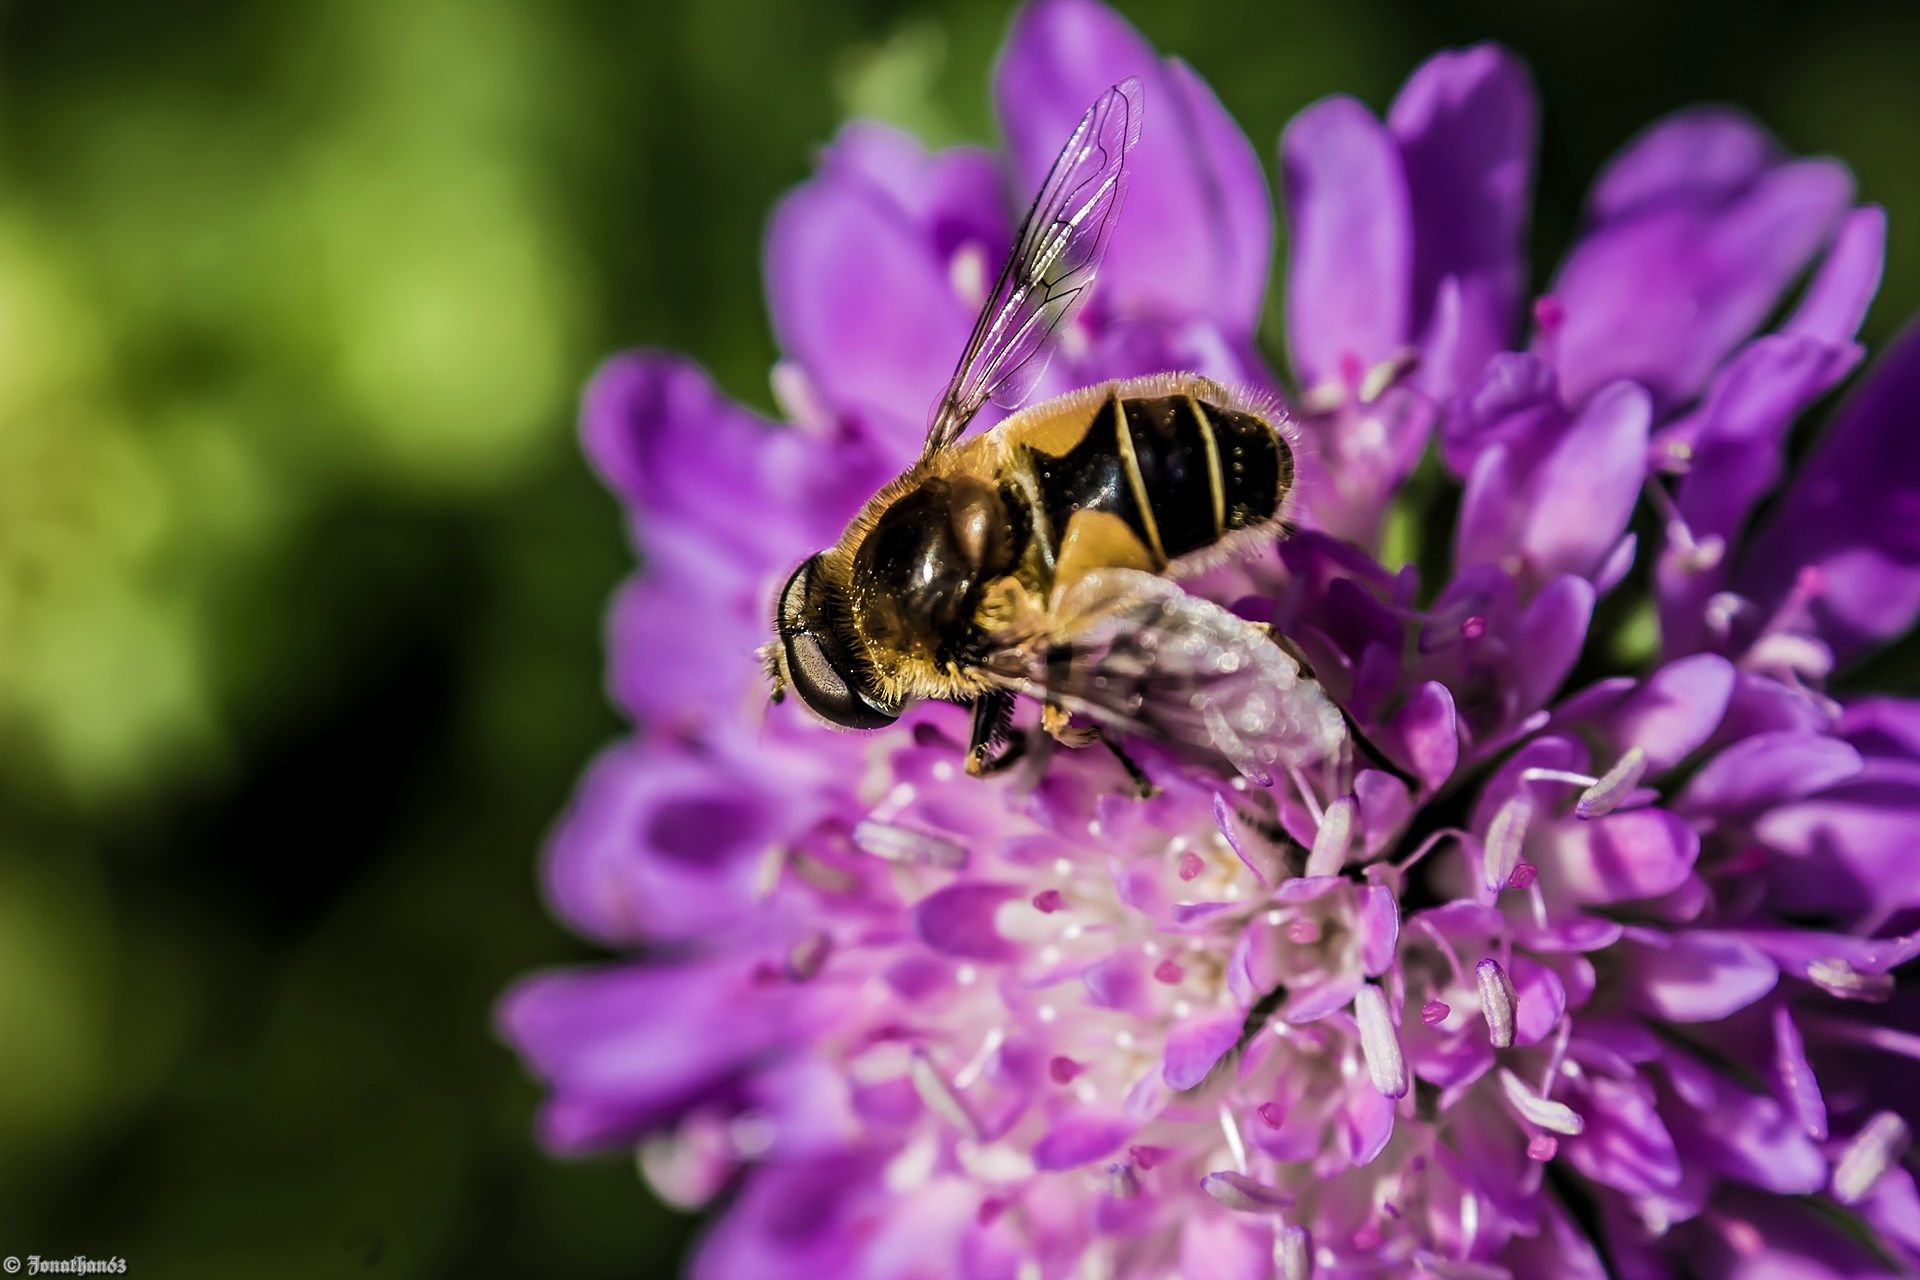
[[817, 656]]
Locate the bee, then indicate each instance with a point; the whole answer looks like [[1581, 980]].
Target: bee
[[1043, 557]]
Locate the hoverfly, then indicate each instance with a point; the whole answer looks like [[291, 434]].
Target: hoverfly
[[1041, 557]]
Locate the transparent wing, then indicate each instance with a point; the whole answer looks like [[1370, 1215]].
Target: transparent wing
[[1136, 654], [1047, 277]]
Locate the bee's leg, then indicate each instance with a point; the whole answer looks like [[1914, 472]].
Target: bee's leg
[[1054, 718], [1142, 785], [992, 730]]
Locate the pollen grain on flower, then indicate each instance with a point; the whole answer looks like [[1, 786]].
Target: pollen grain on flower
[[1560, 967]]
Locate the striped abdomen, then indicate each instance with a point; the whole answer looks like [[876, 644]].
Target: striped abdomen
[[1179, 472]]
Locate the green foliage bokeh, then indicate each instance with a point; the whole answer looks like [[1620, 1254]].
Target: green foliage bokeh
[[301, 576]]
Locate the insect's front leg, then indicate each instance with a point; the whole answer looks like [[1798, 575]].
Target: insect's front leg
[[993, 744]]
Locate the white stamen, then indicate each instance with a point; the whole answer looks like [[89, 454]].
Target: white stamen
[[1696, 555], [1506, 836], [766, 876], [1239, 1192], [1384, 374], [752, 1136], [1235, 1143], [898, 797], [1567, 776], [989, 1045], [1063, 867], [966, 975], [908, 845], [1723, 609], [1046, 1013], [1868, 1157], [1557, 1117], [1430, 843], [1837, 977], [1789, 651], [1612, 787], [1293, 1254], [1380, 1041], [807, 955], [1306, 794], [1496, 1001], [967, 274], [939, 1096], [799, 401], [1330, 840]]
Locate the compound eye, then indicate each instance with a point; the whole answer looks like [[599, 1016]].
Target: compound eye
[[826, 690], [821, 670]]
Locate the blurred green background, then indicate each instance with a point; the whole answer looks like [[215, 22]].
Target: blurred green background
[[301, 575]]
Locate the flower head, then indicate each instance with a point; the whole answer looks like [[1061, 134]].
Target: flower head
[[1528, 980]]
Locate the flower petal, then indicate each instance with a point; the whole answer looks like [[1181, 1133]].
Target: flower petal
[[624, 1049], [1424, 734], [1078, 1139], [1681, 263], [1196, 236], [1668, 715], [1549, 639], [1624, 1146], [657, 847], [1837, 300], [1194, 1047], [866, 354], [959, 920], [1642, 853], [1377, 928], [1769, 769], [1586, 489], [1737, 444], [1851, 514], [1698, 976], [1350, 242], [1465, 122]]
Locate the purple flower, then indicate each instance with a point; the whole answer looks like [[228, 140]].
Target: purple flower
[[1530, 980]]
